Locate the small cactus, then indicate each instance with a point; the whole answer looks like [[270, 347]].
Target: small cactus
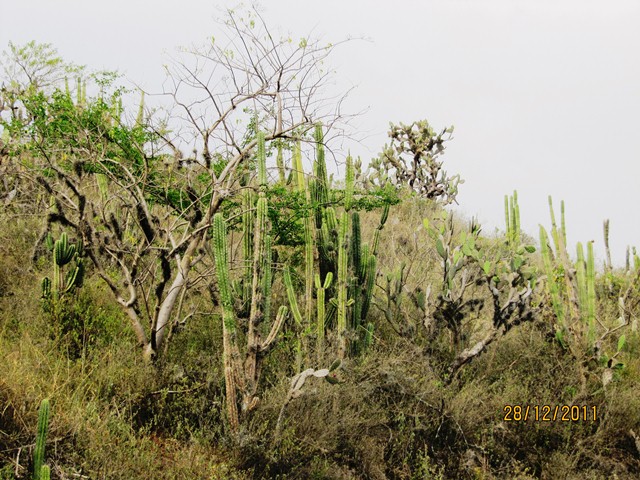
[[41, 438], [63, 253]]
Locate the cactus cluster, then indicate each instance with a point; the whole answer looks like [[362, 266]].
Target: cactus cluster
[[571, 285], [339, 276], [63, 253], [343, 255]]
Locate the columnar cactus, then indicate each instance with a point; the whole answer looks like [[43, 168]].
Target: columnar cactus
[[41, 438], [321, 288], [240, 375], [341, 252], [342, 282], [552, 284], [248, 201], [512, 219], [228, 320], [576, 314], [63, 253]]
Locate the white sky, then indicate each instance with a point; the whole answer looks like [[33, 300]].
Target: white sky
[[544, 94]]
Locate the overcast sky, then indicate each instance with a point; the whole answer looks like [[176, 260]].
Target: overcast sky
[[544, 94]]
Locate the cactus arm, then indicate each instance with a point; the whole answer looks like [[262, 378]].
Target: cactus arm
[[275, 328], [291, 295], [376, 234], [370, 282]]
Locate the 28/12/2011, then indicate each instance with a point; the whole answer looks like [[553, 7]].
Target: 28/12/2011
[[550, 413]]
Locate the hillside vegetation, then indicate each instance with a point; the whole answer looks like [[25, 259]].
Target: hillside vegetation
[[236, 312]]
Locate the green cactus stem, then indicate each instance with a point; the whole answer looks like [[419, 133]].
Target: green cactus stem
[[248, 200], [291, 295], [321, 288], [267, 278], [228, 322], [320, 192], [608, 264], [581, 277], [63, 253], [297, 316], [552, 285], [512, 218], [370, 281], [376, 234], [591, 295], [41, 438], [342, 282], [45, 473], [349, 184], [280, 164]]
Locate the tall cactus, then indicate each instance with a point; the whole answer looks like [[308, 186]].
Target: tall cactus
[[244, 376], [591, 296], [512, 219], [349, 184], [552, 284], [559, 236], [248, 201], [41, 438], [342, 283], [342, 254], [228, 320]]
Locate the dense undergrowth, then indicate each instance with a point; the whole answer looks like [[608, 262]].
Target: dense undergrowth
[[116, 416], [210, 320]]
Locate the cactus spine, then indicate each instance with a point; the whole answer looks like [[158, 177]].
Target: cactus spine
[[41, 438]]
